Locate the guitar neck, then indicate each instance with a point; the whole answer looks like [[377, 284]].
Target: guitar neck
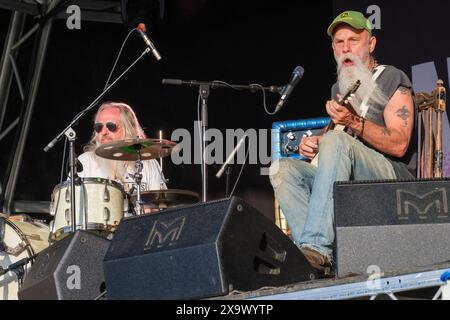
[[331, 125], [343, 102]]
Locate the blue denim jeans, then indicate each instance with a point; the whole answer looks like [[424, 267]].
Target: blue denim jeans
[[305, 193]]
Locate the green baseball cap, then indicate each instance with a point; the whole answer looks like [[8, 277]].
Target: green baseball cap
[[353, 18]]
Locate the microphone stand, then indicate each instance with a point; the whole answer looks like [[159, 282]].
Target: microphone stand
[[71, 135], [204, 90], [227, 183], [220, 84], [204, 94]]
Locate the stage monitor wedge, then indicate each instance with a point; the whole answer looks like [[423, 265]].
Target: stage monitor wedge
[[204, 250], [70, 269], [392, 226]]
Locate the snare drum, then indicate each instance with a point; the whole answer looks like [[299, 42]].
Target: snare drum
[[99, 202], [18, 240]]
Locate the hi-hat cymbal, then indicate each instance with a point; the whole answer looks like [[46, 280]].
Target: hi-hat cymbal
[[127, 149], [167, 198]]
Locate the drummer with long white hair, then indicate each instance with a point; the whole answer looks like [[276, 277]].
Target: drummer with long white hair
[[116, 121]]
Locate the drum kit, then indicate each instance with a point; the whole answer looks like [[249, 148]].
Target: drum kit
[[22, 239], [100, 206]]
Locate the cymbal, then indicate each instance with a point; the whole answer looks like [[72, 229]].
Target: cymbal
[[127, 149], [167, 198]]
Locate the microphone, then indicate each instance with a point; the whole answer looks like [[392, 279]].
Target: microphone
[[176, 82], [141, 29], [297, 74], [230, 157]]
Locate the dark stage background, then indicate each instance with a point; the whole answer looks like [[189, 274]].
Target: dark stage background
[[239, 42]]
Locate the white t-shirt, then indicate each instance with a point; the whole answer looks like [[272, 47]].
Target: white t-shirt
[[121, 171]]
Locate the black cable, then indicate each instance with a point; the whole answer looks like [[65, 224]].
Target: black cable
[[240, 172], [240, 89]]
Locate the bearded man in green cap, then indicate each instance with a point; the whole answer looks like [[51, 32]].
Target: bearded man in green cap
[[379, 142]]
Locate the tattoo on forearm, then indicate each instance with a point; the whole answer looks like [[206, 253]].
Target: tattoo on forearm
[[386, 132], [403, 90], [403, 113]]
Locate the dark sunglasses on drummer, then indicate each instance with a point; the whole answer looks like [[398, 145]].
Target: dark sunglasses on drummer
[[111, 126]]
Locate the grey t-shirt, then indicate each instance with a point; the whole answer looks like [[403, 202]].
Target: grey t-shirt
[[389, 81]]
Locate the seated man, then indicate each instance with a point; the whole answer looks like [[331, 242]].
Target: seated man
[[117, 121], [380, 142]]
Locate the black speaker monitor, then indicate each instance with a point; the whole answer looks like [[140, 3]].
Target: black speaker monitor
[[70, 269], [204, 250], [391, 226]]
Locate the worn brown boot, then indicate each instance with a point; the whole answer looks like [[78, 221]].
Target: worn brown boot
[[318, 261]]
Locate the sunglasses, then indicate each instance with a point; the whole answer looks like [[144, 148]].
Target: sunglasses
[[111, 126]]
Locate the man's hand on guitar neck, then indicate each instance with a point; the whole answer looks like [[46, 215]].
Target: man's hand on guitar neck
[[309, 146], [342, 115]]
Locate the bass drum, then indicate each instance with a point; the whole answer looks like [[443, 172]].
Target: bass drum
[[20, 238]]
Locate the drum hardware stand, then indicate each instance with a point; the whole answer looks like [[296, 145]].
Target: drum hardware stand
[[3, 245], [162, 180], [204, 93], [18, 268], [138, 179], [71, 135]]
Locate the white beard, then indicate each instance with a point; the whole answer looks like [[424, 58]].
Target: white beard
[[347, 77]]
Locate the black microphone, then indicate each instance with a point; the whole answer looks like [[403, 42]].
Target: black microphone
[[297, 74], [176, 82], [141, 29]]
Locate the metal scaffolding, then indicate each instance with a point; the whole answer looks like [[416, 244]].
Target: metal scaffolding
[[44, 12]]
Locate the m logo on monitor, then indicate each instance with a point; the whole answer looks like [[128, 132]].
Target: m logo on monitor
[[422, 205], [164, 233]]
